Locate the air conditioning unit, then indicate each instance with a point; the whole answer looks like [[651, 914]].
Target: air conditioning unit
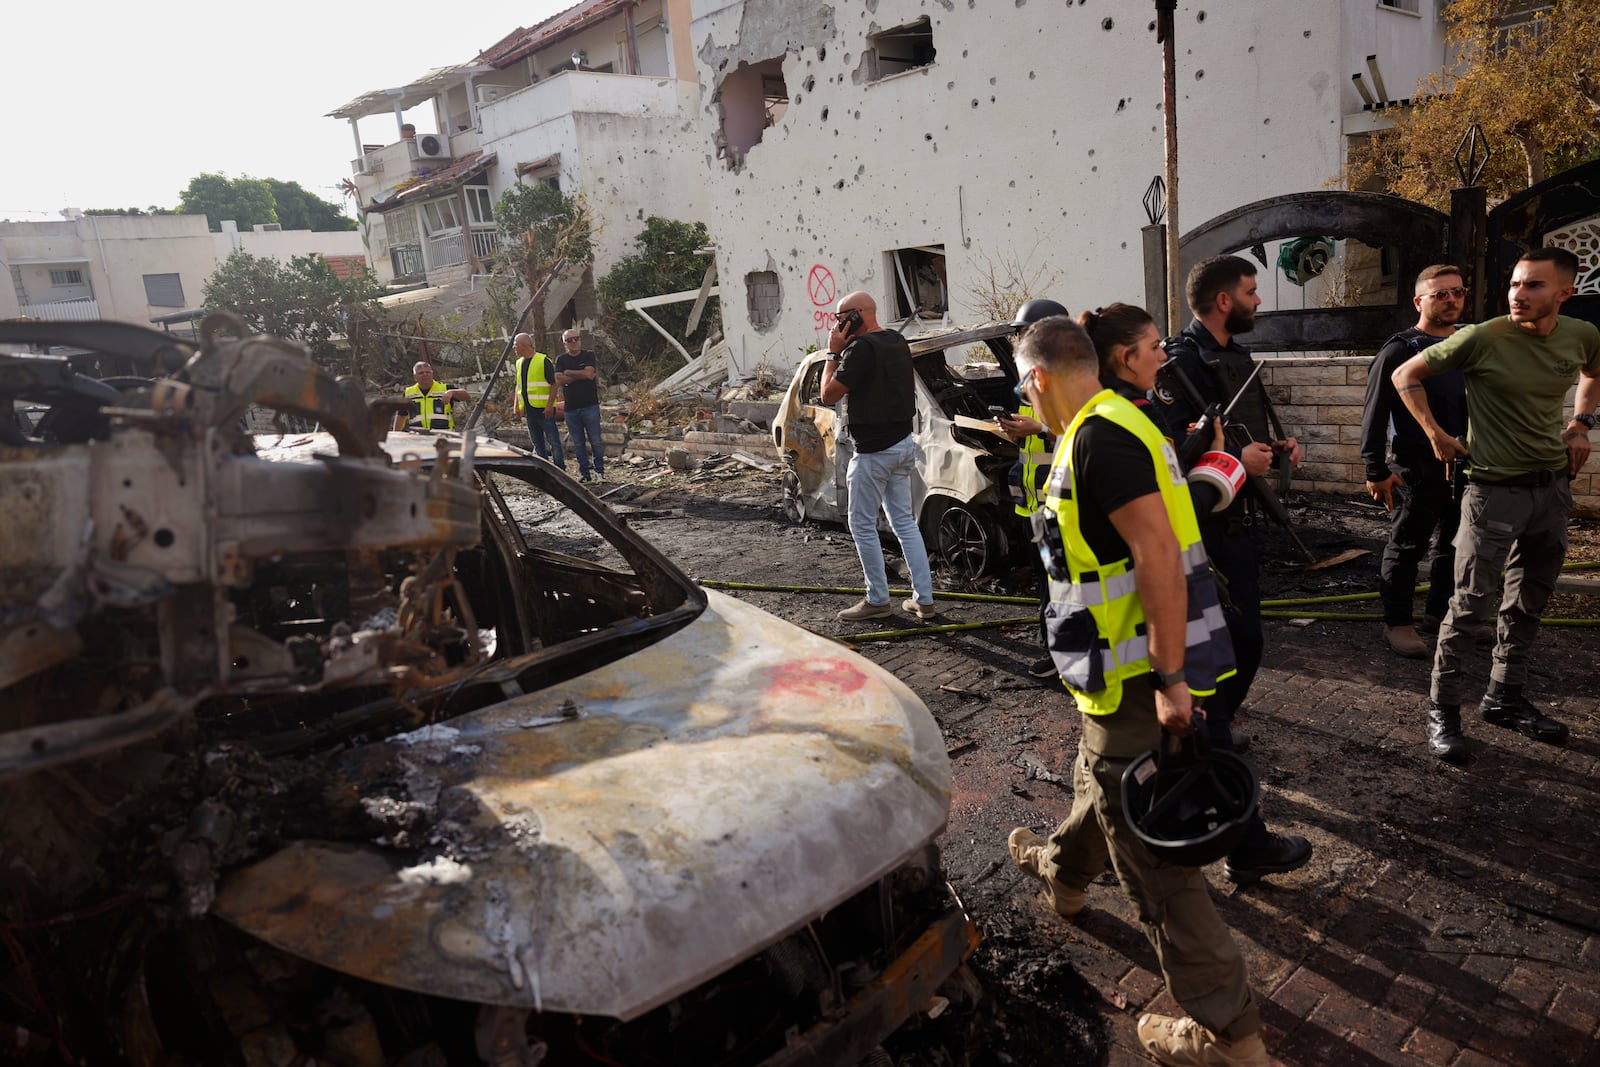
[[430, 146]]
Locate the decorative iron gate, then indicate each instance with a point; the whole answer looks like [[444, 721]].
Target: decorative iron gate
[[1563, 211], [1419, 236]]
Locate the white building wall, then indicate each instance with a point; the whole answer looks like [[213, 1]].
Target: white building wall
[[629, 145], [1031, 137], [284, 245]]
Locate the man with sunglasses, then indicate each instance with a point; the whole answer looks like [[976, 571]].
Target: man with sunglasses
[[1416, 489], [1521, 456], [872, 366]]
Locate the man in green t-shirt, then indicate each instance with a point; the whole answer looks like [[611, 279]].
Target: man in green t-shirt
[[1520, 462]]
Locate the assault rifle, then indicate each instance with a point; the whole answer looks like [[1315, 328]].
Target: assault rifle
[[1237, 435]]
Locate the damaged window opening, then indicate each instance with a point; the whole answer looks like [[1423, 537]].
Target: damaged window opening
[[900, 49], [763, 297], [751, 99], [921, 288]]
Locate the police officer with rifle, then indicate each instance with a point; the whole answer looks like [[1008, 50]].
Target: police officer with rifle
[[1221, 291]]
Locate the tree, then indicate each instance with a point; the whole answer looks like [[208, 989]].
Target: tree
[[300, 209], [303, 300], [1527, 73], [540, 226], [151, 210], [664, 263], [246, 200], [256, 201]]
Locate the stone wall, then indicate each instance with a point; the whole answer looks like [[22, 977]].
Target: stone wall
[[1319, 399]]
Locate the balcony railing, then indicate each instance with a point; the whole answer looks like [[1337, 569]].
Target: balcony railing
[[63, 311], [446, 250]]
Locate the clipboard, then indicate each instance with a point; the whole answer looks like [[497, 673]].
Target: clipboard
[[967, 422]]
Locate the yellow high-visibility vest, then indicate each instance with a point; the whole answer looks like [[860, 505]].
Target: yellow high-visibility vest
[[430, 411], [1094, 660], [535, 386]]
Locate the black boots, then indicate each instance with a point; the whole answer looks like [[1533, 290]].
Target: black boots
[[1504, 705], [1444, 733]]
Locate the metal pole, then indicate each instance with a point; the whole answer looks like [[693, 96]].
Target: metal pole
[[1169, 78]]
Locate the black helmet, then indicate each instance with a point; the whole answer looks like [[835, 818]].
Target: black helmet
[[1034, 310], [1189, 806]]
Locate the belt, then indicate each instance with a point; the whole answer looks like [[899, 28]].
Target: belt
[[1530, 480]]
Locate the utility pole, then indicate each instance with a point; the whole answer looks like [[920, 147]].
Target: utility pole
[[1165, 10]]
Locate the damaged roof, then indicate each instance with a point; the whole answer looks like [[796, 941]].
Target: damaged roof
[[468, 166], [405, 97], [521, 43]]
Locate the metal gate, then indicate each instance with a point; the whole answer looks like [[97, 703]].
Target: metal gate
[[1563, 211], [1419, 236]]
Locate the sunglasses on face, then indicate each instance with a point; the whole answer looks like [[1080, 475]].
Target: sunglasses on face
[[1439, 294], [1021, 388]]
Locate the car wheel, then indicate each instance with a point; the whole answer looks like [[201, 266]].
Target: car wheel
[[794, 504], [969, 541]]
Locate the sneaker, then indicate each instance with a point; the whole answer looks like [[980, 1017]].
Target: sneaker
[[599, 476], [1044, 670], [1518, 713], [1281, 854], [865, 609], [921, 611], [1027, 852], [1403, 641], [1185, 1043], [584, 478]]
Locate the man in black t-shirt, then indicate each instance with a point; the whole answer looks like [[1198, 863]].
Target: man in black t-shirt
[[1424, 509], [576, 374], [873, 366]]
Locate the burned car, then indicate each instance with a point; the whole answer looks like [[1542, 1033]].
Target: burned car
[[309, 753], [960, 494]]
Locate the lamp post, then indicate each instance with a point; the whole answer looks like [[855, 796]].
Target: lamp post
[[1165, 10]]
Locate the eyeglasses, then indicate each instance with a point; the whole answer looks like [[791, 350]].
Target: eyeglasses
[[1439, 294], [569, 340], [1021, 388]]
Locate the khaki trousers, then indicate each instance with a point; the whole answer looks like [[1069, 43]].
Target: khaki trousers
[[1201, 963]]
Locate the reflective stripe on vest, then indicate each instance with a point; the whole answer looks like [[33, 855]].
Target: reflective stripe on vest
[[423, 405], [1095, 620], [1034, 458], [535, 390]]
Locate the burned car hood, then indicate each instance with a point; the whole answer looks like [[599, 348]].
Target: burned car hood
[[609, 842]]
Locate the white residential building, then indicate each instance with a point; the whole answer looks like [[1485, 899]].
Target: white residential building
[[600, 100], [135, 268], [906, 147]]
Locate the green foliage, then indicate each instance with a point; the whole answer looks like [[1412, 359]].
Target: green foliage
[[253, 202], [303, 300], [300, 209], [543, 224], [664, 263], [151, 210]]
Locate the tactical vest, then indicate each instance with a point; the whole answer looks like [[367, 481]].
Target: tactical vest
[[535, 388], [1034, 457], [424, 406], [1095, 621]]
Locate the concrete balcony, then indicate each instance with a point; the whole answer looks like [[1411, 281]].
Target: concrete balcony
[[576, 92]]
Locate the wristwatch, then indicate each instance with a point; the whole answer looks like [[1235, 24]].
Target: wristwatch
[[1162, 679], [1587, 420]]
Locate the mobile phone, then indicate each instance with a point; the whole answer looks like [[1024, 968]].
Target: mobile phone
[[848, 322], [996, 410]]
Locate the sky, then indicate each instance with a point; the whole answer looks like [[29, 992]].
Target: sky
[[121, 103]]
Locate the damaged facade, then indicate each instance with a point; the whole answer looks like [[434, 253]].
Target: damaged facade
[[925, 145]]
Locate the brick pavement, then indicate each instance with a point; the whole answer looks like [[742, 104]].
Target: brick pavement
[[1450, 915]]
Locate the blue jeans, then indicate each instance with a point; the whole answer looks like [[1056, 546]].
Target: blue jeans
[[545, 434], [582, 424], [883, 480]]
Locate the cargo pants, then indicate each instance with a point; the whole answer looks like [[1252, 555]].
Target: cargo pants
[[1199, 959], [1523, 530]]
